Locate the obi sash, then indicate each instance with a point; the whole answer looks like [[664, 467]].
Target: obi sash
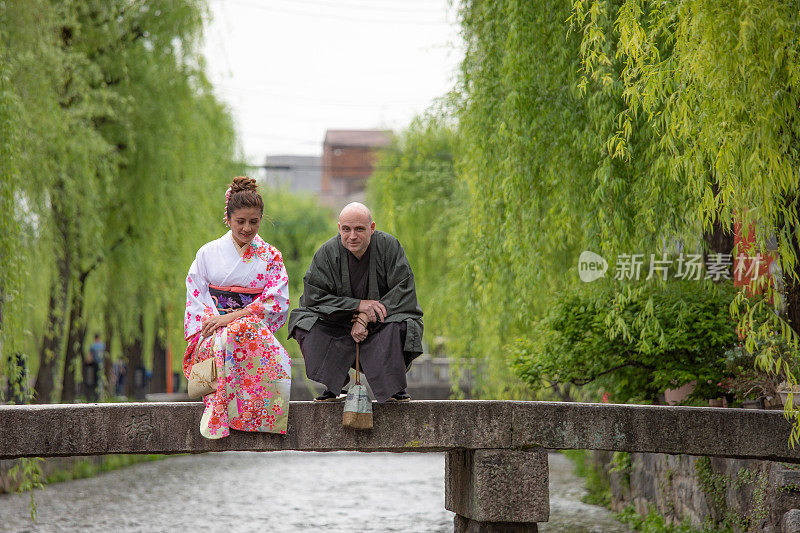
[[229, 299]]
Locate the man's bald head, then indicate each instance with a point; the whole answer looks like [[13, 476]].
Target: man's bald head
[[356, 208], [356, 228]]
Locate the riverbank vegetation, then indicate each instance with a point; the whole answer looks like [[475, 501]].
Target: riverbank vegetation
[[654, 522], [598, 489], [637, 132], [58, 469], [84, 468], [598, 492]]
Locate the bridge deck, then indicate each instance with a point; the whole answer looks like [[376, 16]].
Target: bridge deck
[[420, 426]]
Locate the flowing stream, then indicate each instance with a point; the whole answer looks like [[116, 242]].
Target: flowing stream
[[291, 492]]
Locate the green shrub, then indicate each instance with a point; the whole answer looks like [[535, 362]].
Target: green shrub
[[633, 343], [653, 522]]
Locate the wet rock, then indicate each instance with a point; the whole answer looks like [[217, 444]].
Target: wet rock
[[791, 522]]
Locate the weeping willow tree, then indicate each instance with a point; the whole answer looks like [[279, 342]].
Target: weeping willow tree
[[178, 144], [10, 260], [45, 81], [719, 83], [548, 162], [126, 153], [648, 124], [542, 181], [414, 194]]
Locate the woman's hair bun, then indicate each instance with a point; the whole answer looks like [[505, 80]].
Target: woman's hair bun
[[243, 183], [244, 193]]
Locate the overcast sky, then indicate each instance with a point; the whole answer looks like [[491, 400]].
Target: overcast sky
[[290, 69]]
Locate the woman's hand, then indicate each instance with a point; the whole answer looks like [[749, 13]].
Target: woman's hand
[[213, 323]]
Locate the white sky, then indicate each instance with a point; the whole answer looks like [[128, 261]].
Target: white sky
[[290, 69]]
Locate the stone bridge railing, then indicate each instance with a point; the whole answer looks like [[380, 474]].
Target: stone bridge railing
[[496, 466]]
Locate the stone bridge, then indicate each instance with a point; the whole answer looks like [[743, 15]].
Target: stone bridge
[[496, 467]]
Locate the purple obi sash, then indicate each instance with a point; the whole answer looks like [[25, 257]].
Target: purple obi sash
[[229, 299]]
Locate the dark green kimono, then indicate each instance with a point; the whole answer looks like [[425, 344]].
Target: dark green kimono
[[327, 293], [328, 301]]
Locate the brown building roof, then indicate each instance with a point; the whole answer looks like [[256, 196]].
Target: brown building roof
[[361, 138]]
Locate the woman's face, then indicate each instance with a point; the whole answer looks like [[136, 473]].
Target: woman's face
[[244, 224]]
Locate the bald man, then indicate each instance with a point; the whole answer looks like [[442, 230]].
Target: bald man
[[359, 289]]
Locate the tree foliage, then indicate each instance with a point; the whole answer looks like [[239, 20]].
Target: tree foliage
[[296, 225], [9, 181], [126, 156], [543, 183], [619, 127], [718, 83], [571, 344], [414, 194]]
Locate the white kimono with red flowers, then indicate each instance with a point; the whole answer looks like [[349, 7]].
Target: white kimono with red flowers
[[253, 369]]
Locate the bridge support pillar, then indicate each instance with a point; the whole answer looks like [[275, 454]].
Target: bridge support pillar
[[497, 491]]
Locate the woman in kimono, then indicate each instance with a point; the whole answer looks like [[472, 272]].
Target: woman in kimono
[[237, 296]]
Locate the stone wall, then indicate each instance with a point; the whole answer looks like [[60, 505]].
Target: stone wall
[[746, 494]]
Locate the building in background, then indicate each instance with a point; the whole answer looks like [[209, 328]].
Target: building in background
[[348, 159], [338, 177], [296, 173]]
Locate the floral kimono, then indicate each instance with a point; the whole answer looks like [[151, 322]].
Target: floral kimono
[[253, 369]]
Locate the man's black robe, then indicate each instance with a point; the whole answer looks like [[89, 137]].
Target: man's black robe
[[322, 322]]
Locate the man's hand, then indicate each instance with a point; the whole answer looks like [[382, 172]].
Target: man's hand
[[373, 309], [358, 331]]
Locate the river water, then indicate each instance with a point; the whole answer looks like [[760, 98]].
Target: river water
[[287, 492]]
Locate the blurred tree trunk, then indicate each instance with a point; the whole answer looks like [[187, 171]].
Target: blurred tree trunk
[[75, 339], [132, 352], [791, 279], [50, 353], [159, 380], [160, 371], [719, 239], [51, 343]]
